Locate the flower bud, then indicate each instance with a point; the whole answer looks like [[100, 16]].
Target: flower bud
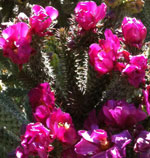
[[88, 14], [134, 32]]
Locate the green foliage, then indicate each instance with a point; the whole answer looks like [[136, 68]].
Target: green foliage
[[10, 115], [9, 141], [119, 89], [11, 120], [78, 87], [145, 17]]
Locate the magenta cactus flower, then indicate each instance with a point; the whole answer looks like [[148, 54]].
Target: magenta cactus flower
[[135, 76], [135, 70], [134, 32], [15, 42], [146, 94], [42, 18], [122, 115], [97, 144], [35, 142], [41, 114], [142, 144], [60, 123], [41, 95], [88, 14], [140, 61], [104, 55]]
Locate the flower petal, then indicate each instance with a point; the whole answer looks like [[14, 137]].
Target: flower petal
[[86, 148], [52, 12]]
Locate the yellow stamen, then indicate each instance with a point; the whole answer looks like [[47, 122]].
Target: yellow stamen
[[65, 125]]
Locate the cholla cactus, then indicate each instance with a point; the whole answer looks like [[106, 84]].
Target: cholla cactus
[[80, 91], [135, 6], [113, 3]]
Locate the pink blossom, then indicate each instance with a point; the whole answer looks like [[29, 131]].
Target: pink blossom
[[146, 94], [41, 95], [97, 144], [135, 76], [140, 61], [135, 70], [142, 144], [60, 123], [15, 43], [35, 141], [41, 114], [103, 56], [120, 114], [42, 18], [134, 32], [88, 14], [112, 42]]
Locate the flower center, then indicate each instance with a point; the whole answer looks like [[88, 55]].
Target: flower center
[[104, 144], [15, 50], [14, 47], [65, 125]]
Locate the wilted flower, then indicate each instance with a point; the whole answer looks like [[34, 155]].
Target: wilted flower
[[60, 123], [35, 141], [142, 144], [120, 114], [42, 18], [41, 95], [146, 94], [88, 14], [97, 144], [15, 43], [135, 70], [134, 32], [104, 55]]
